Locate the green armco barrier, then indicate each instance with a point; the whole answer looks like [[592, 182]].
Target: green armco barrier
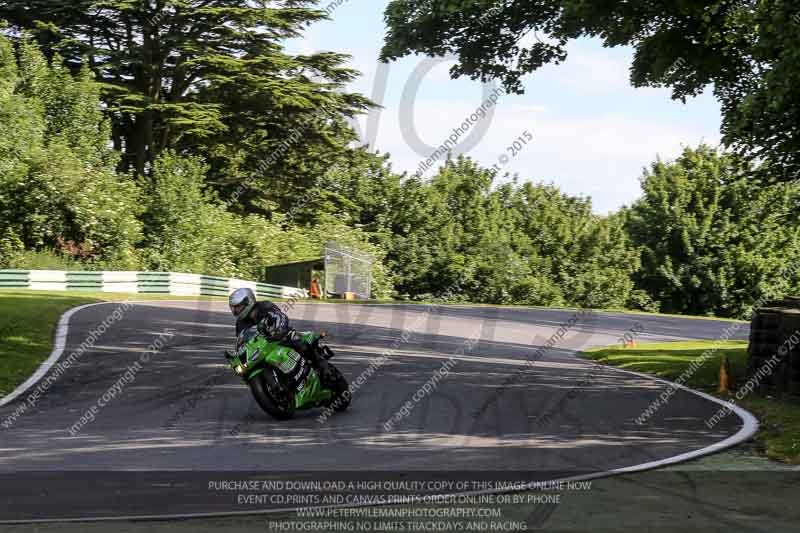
[[14, 279], [153, 282], [175, 283], [85, 281], [214, 286], [269, 291]]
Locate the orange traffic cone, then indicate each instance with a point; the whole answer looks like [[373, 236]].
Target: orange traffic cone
[[724, 375]]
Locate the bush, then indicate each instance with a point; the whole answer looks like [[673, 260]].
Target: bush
[[58, 186], [48, 260], [11, 249], [713, 240]]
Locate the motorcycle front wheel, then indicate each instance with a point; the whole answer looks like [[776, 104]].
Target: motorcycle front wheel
[[272, 394], [340, 388]]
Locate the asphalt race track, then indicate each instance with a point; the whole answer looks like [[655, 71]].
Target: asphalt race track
[[185, 422]]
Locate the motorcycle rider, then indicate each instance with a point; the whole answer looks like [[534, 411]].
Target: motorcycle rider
[[274, 325]]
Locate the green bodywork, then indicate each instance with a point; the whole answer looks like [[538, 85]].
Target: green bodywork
[[259, 354]]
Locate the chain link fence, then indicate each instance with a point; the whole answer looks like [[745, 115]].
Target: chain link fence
[[347, 271]]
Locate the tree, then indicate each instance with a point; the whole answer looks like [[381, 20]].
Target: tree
[[58, 185], [575, 257], [206, 76], [712, 243], [747, 49], [460, 235], [360, 189]]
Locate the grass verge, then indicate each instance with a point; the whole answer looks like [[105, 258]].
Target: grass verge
[[27, 324], [779, 435]]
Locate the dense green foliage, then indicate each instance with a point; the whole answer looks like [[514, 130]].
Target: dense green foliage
[[749, 50], [712, 241], [705, 238], [58, 183], [505, 244], [210, 77], [60, 191]]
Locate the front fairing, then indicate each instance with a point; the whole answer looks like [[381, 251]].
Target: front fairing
[[254, 353]]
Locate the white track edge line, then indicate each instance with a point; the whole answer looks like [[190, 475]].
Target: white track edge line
[[749, 427], [61, 340], [58, 350]]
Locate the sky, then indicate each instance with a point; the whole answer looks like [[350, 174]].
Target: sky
[[593, 133]]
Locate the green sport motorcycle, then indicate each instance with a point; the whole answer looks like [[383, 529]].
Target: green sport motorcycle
[[281, 380]]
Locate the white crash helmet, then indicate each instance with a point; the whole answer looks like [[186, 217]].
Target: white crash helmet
[[242, 302]]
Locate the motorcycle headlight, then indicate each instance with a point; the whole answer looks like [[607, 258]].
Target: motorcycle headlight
[[239, 370]]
